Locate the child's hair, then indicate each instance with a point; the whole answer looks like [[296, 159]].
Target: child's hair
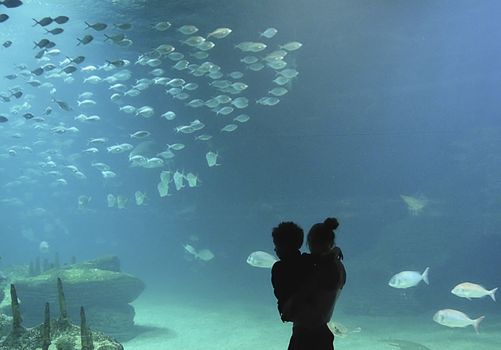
[[323, 233], [288, 235]]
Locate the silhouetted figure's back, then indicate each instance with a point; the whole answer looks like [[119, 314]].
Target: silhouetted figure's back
[[311, 308]]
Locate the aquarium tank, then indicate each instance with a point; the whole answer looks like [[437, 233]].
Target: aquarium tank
[[149, 147]]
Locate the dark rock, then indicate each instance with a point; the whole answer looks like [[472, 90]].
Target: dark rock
[[108, 263], [98, 285], [82, 286], [117, 321]]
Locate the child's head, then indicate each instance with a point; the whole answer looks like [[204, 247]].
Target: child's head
[[321, 236], [288, 238]]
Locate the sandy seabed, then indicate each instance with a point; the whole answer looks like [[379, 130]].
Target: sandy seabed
[[181, 323]]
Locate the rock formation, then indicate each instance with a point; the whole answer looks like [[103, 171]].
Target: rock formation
[[99, 285], [60, 332]]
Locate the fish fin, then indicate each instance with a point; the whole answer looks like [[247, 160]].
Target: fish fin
[[425, 276], [492, 294], [476, 323]]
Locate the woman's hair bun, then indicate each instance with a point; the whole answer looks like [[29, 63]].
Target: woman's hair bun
[[331, 223]]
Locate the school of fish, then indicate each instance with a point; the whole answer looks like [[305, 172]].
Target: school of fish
[[166, 100]]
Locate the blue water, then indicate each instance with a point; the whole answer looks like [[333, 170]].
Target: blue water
[[393, 98]]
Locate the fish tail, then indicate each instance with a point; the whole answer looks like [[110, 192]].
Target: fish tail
[[36, 22], [88, 25], [107, 37], [476, 323], [79, 42], [492, 294], [425, 276]]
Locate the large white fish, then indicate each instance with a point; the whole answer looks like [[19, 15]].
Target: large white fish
[[261, 259], [471, 290], [407, 279], [454, 319]]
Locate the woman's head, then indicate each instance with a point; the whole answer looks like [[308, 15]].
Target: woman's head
[[321, 237]]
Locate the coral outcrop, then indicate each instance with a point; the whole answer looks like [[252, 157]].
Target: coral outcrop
[[52, 334], [99, 285]]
